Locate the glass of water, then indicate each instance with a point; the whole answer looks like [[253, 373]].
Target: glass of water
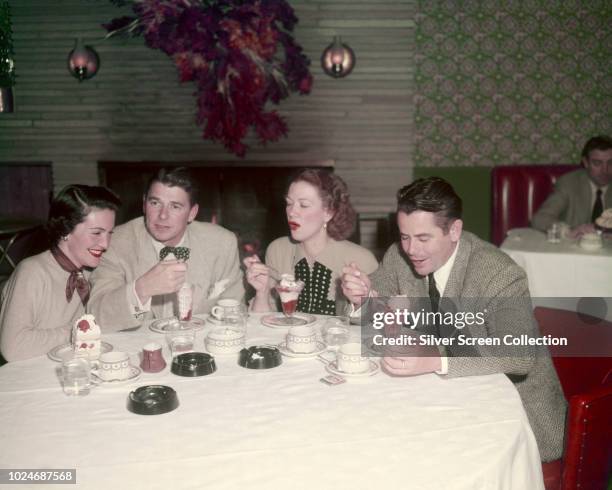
[[336, 331], [76, 379], [180, 341]]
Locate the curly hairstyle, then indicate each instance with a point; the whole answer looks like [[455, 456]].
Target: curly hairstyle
[[72, 205], [333, 191]]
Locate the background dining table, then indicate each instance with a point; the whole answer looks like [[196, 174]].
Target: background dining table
[[561, 274], [279, 428]]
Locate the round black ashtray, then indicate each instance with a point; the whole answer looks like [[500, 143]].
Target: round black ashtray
[[152, 400], [260, 357], [193, 364]]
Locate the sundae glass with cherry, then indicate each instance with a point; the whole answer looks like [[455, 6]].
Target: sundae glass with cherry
[[289, 290]]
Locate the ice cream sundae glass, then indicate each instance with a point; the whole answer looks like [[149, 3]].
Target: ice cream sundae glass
[[289, 290]]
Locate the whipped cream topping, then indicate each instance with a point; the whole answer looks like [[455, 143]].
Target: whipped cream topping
[[605, 220]]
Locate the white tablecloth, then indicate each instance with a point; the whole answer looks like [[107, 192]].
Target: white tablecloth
[[561, 270], [271, 429]]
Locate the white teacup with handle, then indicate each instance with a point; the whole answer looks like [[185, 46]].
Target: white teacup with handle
[[227, 307], [302, 339], [113, 366], [350, 360]]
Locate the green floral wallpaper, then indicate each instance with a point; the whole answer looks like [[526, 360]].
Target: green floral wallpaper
[[515, 81]]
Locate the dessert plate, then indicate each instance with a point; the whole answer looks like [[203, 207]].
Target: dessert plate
[[279, 320], [61, 352], [164, 325], [332, 367], [135, 373], [285, 351]]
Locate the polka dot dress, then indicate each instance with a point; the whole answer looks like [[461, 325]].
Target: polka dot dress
[[313, 298]]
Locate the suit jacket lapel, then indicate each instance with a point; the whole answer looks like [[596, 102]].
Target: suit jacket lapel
[[454, 285]]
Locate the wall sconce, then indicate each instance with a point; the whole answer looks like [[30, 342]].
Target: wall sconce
[[338, 59], [83, 61]]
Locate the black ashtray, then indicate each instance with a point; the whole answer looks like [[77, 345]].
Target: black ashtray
[[152, 400], [260, 357], [193, 364]]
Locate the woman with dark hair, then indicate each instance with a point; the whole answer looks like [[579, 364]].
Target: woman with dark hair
[[320, 218], [39, 304]]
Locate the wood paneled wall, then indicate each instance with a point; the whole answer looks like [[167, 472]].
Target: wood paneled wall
[[135, 109]]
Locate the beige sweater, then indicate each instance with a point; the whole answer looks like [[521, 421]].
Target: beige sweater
[[35, 316]]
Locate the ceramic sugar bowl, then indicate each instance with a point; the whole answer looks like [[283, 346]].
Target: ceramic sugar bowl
[[224, 340]]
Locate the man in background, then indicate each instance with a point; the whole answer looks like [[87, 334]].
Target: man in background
[[580, 197]]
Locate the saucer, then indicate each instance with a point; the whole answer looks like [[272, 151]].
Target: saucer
[[278, 320], [214, 321], [332, 367], [165, 325], [135, 373], [61, 352], [285, 351]]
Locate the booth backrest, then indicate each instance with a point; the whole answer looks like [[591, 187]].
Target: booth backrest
[[517, 191]]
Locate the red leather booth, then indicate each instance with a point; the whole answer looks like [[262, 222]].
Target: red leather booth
[[517, 192], [586, 462]]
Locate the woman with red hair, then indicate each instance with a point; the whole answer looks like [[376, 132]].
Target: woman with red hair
[[320, 218]]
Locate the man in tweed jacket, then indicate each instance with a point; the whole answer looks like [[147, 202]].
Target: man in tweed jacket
[[132, 284], [434, 248]]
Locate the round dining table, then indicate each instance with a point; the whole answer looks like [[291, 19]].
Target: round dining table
[[279, 428], [561, 274]]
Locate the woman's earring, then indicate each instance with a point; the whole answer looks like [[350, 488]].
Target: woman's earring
[[325, 226], [65, 238]]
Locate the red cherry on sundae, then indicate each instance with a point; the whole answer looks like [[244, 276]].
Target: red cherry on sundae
[[83, 326]]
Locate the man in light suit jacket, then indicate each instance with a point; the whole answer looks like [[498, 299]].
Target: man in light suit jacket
[[436, 258], [151, 257], [575, 193]]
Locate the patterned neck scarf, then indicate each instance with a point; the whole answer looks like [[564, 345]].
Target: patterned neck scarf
[[76, 280]]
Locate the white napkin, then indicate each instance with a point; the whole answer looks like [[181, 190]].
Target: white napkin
[[218, 288]]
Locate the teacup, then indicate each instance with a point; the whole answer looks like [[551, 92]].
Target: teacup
[[113, 365], [152, 358], [227, 307], [302, 339], [350, 360], [225, 341]]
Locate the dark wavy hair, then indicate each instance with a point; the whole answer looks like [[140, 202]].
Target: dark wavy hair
[[176, 177], [601, 142], [434, 195], [333, 191], [72, 205]]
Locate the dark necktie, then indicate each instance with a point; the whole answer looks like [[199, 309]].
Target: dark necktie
[[597, 206], [76, 279], [434, 294], [181, 253]]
